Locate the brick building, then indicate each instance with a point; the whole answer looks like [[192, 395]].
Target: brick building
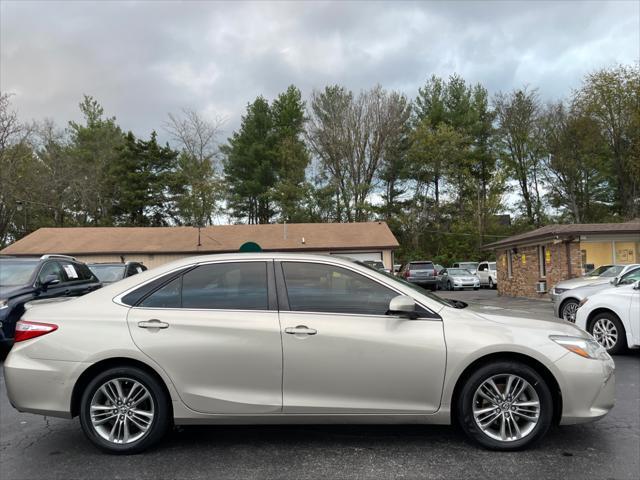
[[531, 263]]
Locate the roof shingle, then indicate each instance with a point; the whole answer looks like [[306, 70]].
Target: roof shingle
[[215, 239]]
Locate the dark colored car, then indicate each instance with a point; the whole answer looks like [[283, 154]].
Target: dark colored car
[[25, 279], [112, 272], [421, 273]]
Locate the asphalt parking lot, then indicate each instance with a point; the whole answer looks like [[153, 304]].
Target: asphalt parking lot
[[35, 447]]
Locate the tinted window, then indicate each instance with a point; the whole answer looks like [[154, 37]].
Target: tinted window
[[108, 273], [51, 268], [132, 298], [630, 277], [314, 287], [77, 272], [482, 267], [239, 286], [166, 297]]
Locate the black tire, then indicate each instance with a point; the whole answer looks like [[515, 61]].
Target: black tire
[[491, 284], [159, 425], [449, 286], [570, 303], [476, 288], [464, 405], [434, 287], [620, 345]]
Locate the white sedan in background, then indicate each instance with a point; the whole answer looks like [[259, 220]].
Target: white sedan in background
[[612, 316]]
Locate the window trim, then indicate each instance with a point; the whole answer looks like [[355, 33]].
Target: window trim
[[542, 266], [282, 292]]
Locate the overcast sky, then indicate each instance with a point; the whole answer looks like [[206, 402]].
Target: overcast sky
[[144, 59]]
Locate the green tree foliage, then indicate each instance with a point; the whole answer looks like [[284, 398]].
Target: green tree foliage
[[142, 175], [266, 159]]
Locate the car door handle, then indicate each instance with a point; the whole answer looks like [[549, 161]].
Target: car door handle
[[300, 330], [154, 323]]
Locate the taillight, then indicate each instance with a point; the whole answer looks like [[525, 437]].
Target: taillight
[[26, 330], [406, 274]]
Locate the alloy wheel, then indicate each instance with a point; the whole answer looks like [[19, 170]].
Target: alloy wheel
[[506, 407], [605, 333], [569, 311], [122, 410]]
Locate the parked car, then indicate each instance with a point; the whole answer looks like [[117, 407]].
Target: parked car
[[606, 272], [487, 274], [566, 303], [24, 280], [458, 279], [421, 273], [114, 271], [439, 269], [286, 338], [612, 316], [471, 266]]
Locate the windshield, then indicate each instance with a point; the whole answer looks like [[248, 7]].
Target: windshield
[[612, 271], [421, 266], [458, 271], [413, 286], [598, 271], [108, 273], [469, 265], [16, 273]]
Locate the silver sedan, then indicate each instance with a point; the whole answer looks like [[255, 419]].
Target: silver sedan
[[287, 338]]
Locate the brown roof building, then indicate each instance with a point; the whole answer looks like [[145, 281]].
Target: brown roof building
[[157, 245], [529, 264]]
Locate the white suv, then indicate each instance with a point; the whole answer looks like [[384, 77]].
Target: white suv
[[488, 274]]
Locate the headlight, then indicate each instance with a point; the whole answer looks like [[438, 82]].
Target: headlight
[[558, 291], [4, 304], [585, 347]]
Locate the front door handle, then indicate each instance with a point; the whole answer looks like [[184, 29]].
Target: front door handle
[[154, 323], [300, 330]]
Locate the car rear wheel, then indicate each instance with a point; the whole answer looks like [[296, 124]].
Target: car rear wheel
[[124, 410], [449, 286], [505, 406], [609, 332], [569, 309], [491, 283]]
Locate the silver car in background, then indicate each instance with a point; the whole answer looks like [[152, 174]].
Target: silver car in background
[[567, 303], [604, 272], [257, 338], [458, 279]]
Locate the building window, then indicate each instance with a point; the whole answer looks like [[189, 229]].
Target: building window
[[542, 254], [509, 263]]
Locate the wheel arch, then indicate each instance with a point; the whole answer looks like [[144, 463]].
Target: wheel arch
[[556, 392], [102, 365], [597, 311], [564, 302]]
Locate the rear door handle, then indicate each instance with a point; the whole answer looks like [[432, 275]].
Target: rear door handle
[[154, 323], [300, 330]]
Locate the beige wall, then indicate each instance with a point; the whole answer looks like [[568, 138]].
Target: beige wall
[[159, 259]]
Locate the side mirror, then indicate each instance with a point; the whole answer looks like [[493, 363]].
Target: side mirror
[[614, 281], [403, 305], [49, 280], [636, 286]]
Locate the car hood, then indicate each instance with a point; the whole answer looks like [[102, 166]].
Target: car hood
[[579, 282], [10, 291], [551, 325]]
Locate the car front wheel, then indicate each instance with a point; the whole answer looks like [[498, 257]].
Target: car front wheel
[[569, 309], [505, 406], [124, 410], [609, 332]]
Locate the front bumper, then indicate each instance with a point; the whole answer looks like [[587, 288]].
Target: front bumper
[[587, 387]]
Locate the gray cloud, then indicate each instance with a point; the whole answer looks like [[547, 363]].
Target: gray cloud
[[144, 59]]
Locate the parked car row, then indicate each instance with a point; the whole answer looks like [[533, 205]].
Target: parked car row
[[605, 303], [461, 275], [50, 278]]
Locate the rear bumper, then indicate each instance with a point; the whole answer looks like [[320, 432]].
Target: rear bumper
[[40, 386], [423, 281], [587, 387]]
